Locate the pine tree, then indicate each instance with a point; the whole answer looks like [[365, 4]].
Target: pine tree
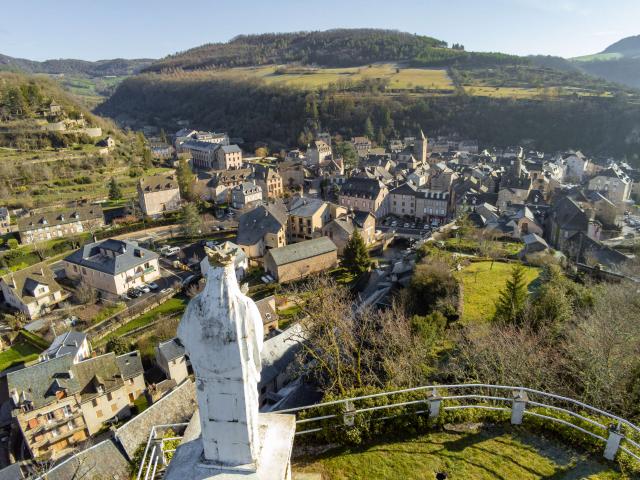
[[147, 158], [185, 179], [510, 307], [191, 221], [368, 128], [356, 256], [114, 190]]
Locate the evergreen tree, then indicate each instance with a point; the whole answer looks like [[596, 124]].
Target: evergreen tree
[[510, 307], [356, 256], [185, 179], [368, 128], [147, 159], [191, 221], [163, 136], [114, 190]]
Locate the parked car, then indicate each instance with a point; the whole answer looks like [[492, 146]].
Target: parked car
[[153, 286], [170, 251], [134, 293], [145, 289]]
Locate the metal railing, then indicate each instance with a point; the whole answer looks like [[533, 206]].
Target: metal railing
[[615, 433]]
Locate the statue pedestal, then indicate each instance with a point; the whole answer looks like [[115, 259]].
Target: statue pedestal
[[276, 441]]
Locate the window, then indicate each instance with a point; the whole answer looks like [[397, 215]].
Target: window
[[109, 397], [66, 410], [99, 413], [94, 402], [50, 417], [114, 407]]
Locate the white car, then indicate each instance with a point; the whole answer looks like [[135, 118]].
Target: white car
[[145, 288]]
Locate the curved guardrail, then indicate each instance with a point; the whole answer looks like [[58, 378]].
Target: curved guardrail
[[616, 433]]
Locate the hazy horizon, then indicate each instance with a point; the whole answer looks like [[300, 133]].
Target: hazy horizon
[[145, 29]]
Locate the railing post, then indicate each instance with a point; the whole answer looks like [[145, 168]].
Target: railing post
[[435, 401], [613, 442], [349, 415], [518, 406]]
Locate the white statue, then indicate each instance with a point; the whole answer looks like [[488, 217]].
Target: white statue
[[222, 334]]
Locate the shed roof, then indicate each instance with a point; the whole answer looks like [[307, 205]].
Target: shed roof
[[303, 250]]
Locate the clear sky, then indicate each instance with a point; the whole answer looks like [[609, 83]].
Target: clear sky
[[98, 29]]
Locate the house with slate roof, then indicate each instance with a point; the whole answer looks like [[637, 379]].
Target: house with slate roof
[[307, 217], [364, 195], [58, 403], [299, 260], [340, 230], [262, 228], [112, 266], [170, 357], [269, 180], [33, 291], [158, 194], [612, 183], [245, 195], [41, 227], [566, 218], [71, 343]]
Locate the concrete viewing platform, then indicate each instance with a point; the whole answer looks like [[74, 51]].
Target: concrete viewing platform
[[276, 441]]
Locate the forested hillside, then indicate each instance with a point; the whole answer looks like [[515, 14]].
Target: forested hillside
[[118, 66], [259, 112]]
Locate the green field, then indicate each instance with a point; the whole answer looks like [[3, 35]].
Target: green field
[[317, 78], [482, 286], [25, 349]]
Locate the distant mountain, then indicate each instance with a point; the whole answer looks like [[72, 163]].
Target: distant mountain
[[627, 47], [100, 68], [619, 62]]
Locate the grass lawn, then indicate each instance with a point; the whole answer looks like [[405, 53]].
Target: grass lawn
[[25, 349], [502, 453], [173, 305], [482, 285]]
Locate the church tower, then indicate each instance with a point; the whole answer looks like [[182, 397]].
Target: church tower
[[420, 147]]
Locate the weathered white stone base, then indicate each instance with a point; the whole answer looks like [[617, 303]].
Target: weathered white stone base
[[276, 441]]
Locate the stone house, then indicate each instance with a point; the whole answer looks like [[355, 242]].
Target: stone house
[[299, 260], [71, 343], [566, 218], [268, 312], [210, 155], [364, 195], [293, 173], [261, 229], [62, 223], [307, 217], [187, 134], [340, 230], [577, 166], [269, 180], [216, 185], [158, 194], [362, 145], [402, 200], [112, 266], [613, 184], [433, 206], [5, 221], [58, 403], [171, 358], [245, 195], [318, 153], [33, 291]]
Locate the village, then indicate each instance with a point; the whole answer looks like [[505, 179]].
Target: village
[[89, 344]]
